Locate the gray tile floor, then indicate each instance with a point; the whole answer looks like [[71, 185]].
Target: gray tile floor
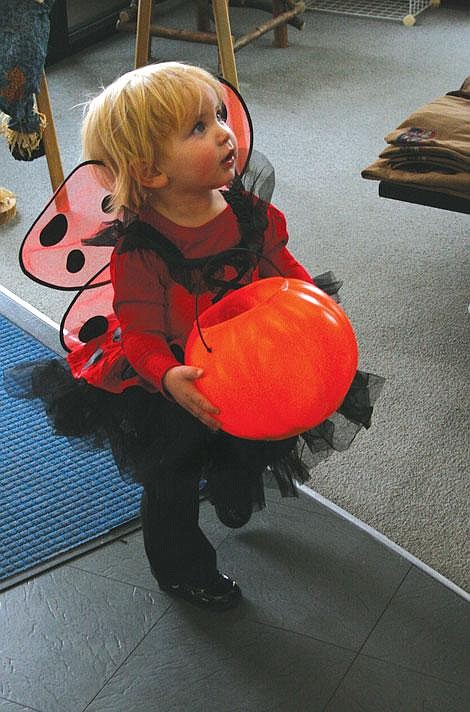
[[331, 620]]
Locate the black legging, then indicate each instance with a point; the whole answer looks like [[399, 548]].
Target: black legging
[[177, 549]]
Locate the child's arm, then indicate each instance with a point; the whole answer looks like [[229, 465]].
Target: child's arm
[[139, 303]]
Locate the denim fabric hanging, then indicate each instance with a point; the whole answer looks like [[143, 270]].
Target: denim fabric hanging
[[24, 34]]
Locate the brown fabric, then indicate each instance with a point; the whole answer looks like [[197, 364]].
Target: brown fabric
[[429, 149], [457, 184], [421, 164], [429, 153], [445, 122]]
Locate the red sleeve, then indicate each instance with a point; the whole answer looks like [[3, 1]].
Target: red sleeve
[[139, 304], [275, 241]]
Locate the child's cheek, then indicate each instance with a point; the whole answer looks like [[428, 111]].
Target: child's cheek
[[207, 161]]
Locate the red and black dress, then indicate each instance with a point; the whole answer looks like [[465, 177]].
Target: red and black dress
[[110, 391]]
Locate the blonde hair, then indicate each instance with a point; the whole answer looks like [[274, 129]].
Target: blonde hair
[[127, 125]]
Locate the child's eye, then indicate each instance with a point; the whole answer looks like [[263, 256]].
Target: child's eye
[[199, 127], [223, 112]]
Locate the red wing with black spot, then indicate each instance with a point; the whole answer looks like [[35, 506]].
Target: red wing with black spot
[[90, 312], [53, 252]]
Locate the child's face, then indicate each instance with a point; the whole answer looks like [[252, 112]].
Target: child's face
[[202, 155]]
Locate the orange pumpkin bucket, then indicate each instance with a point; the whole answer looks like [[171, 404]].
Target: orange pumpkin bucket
[[278, 355]]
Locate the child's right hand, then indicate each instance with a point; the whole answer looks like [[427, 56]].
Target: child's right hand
[[179, 383]]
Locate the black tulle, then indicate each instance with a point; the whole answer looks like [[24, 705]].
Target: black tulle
[[150, 435]]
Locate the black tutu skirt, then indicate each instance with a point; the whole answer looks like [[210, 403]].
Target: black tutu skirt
[[149, 435]]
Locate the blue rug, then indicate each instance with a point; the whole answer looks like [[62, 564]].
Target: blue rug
[[55, 501]]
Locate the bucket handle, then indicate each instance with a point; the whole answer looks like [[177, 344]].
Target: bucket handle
[[232, 249]]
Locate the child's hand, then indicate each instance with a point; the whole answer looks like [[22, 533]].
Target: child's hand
[[178, 381]]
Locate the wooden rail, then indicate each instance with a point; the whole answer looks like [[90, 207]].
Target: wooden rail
[[284, 12]]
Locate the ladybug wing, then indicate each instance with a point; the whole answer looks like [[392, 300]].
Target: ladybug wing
[[253, 167], [238, 118], [90, 313], [53, 252]]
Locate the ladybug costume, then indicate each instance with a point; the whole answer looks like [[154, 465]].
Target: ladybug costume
[[137, 280]]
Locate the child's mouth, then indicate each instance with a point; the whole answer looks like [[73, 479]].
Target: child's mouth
[[229, 159]]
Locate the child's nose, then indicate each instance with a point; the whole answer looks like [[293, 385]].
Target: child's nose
[[224, 135]]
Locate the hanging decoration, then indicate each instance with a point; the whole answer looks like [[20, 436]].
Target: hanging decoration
[[24, 35]]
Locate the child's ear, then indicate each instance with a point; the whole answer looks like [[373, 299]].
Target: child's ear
[[147, 175], [156, 180]]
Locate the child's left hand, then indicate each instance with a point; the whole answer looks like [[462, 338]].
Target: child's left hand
[[179, 382]]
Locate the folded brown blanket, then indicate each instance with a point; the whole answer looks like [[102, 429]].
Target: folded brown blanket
[[455, 184], [431, 147], [443, 123], [427, 153]]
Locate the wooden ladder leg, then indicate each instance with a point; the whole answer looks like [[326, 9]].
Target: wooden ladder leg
[[203, 15], [280, 32], [51, 146], [225, 43], [142, 39]]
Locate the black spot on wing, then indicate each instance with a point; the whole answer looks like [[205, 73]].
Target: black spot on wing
[[106, 204], [75, 261], [54, 231], [96, 326]]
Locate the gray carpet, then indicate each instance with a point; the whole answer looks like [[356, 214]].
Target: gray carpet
[[320, 110]]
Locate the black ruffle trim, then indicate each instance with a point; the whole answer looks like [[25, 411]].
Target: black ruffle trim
[[149, 434], [202, 274]]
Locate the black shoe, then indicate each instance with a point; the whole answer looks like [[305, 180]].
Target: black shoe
[[234, 515], [219, 595]]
